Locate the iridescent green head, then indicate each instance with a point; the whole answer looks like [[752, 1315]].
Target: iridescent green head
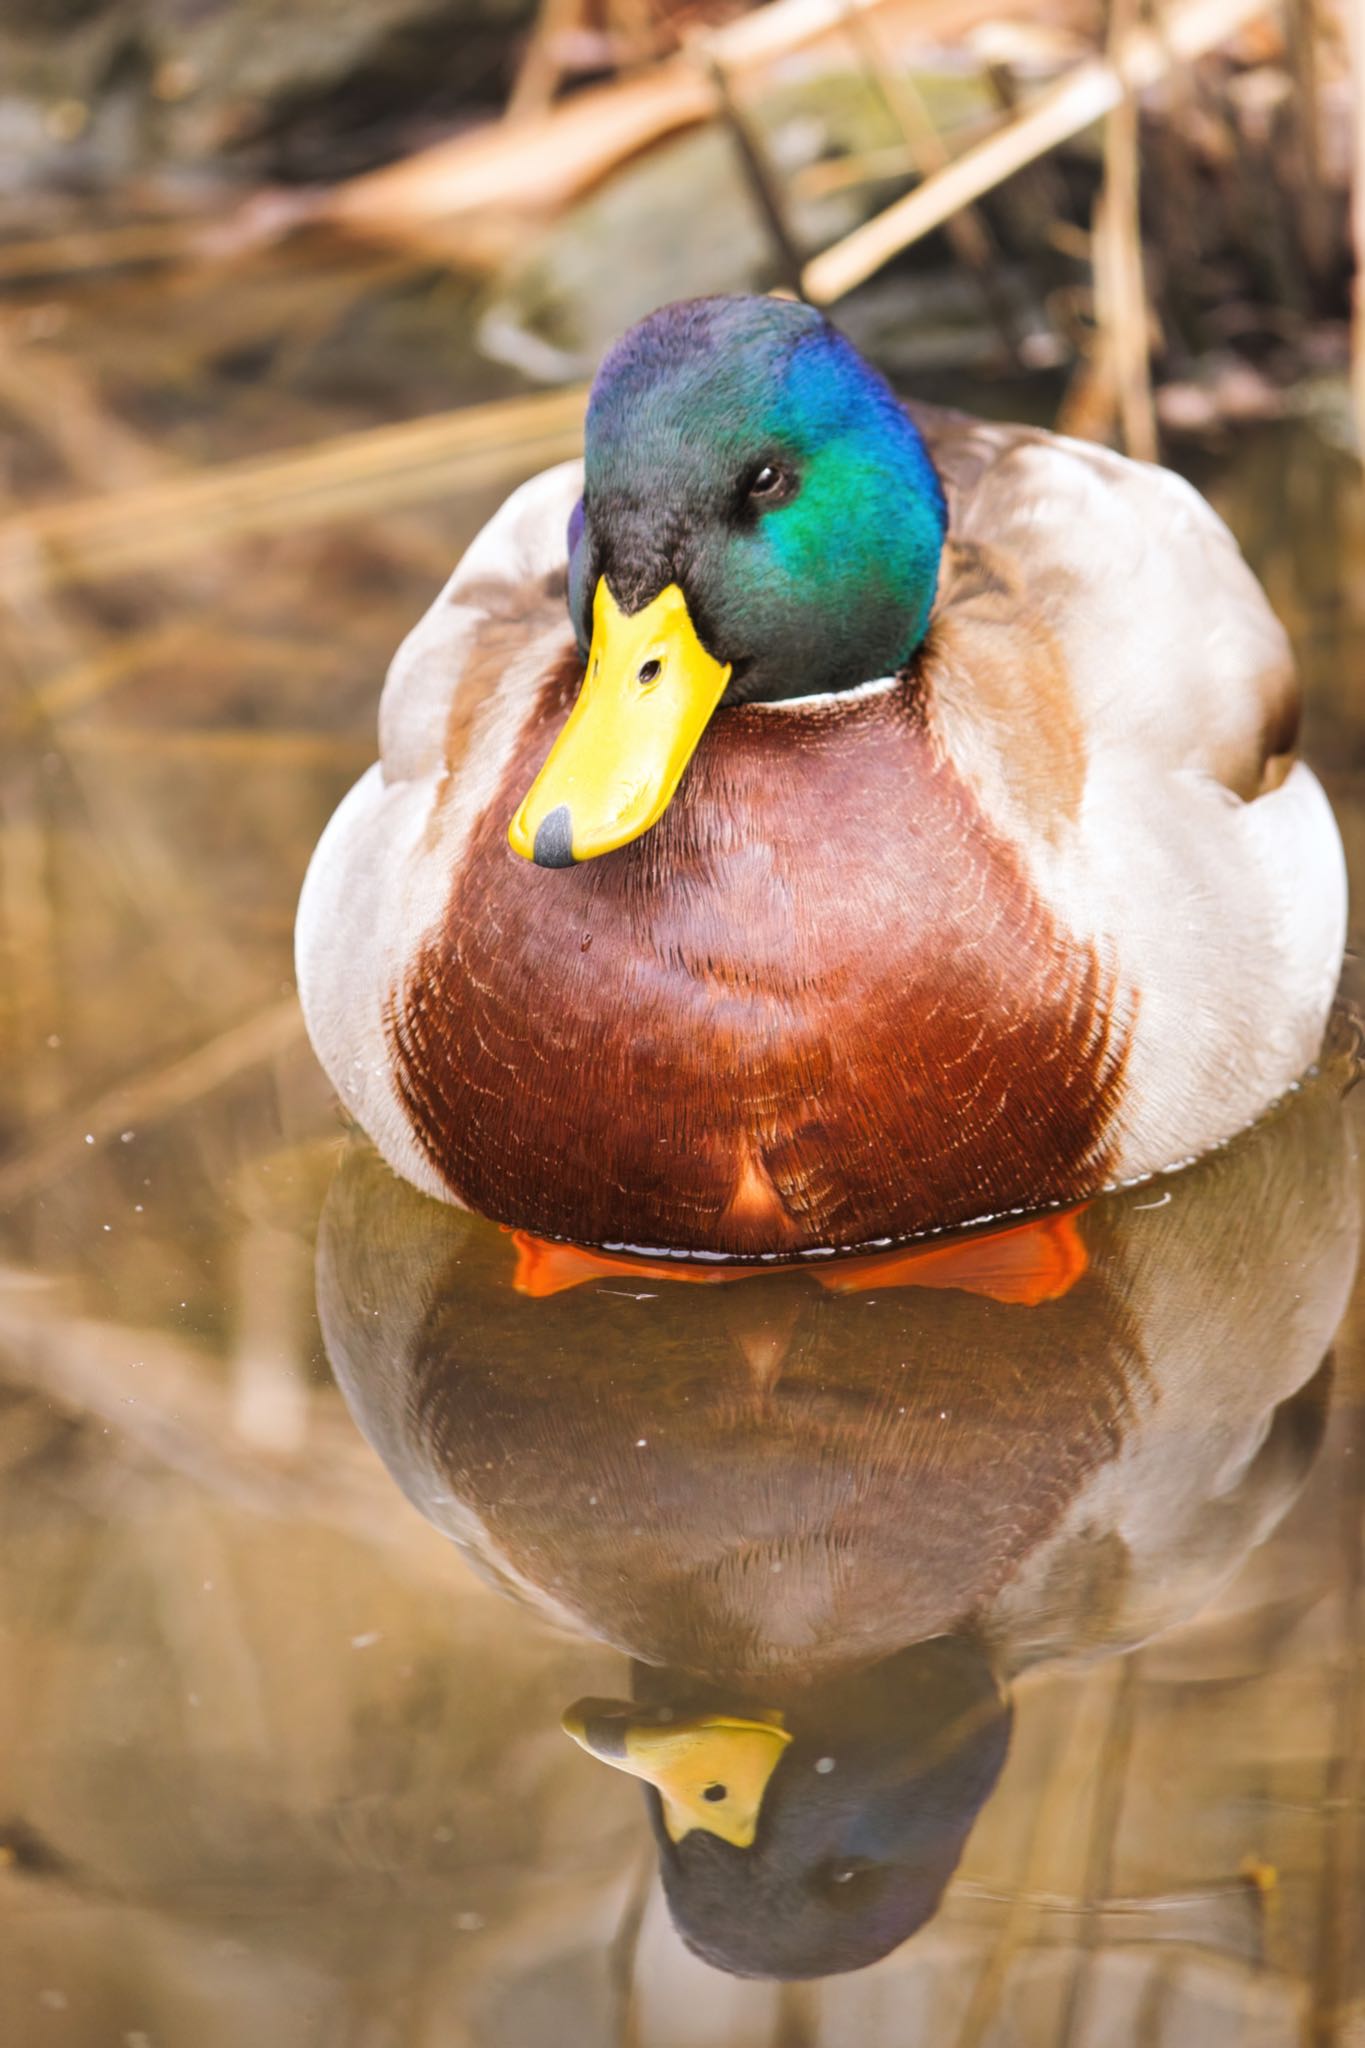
[[760, 519]]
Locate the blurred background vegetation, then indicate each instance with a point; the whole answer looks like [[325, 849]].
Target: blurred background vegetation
[[1077, 192]]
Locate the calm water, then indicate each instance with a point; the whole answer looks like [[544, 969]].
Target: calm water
[[322, 1504]]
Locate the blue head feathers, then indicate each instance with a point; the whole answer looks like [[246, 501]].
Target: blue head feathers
[[744, 450]]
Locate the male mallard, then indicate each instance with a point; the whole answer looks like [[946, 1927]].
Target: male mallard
[[923, 843]]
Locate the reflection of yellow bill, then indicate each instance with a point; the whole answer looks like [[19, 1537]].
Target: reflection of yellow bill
[[649, 690], [710, 1772]]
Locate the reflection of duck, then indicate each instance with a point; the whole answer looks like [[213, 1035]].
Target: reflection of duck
[[1049, 905], [830, 1526]]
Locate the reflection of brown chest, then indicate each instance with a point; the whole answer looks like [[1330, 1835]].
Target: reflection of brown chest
[[819, 1003], [897, 1465]]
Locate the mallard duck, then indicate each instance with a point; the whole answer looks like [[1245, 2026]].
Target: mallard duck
[[840, 1523], [814, 821]]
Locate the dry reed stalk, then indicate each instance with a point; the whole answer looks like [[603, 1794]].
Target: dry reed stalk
[[574, 144], [50, 637], [1028, 1900], [30, 951], [362, 472], [925, 147], [97, 248], [796, 2022], [1302, 34], [640, 26], [1111, 1768], [1171, 184], [93, 675], [96, 675], [632, 30], [863, 167], [273, 1296], [1042, 182], [1340, 1900], [1092, 90], [60, 404], [1088, 410], [1356, 30], [968, 235], [539, 168], [763, 186], [538, 76], [250, 747], [625, 1946], [1120, 289]]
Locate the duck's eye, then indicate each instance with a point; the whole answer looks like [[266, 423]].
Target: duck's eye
[[770, 482]]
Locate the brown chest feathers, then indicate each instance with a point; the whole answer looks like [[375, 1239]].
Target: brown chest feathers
[[819, 1004]]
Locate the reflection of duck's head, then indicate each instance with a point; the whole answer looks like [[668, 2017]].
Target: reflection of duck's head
[[815, 1846], [830, 1513]]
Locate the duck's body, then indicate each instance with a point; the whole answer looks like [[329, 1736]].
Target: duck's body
[[1053, 908]]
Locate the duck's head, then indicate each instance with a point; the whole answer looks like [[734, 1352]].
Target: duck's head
[[811, 1840], [760, 519]]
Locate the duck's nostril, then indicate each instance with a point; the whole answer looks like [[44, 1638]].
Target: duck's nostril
[[650, 672], [554, 839]]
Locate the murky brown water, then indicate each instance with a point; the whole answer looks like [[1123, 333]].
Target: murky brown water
[[1051, 1561]]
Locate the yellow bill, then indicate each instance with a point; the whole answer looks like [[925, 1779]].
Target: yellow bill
[[710, 1771], [649, 690]]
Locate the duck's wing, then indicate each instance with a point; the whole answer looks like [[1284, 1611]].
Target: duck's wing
[[503, 603], [1129, 590], [458, 694], [1106, 673]]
